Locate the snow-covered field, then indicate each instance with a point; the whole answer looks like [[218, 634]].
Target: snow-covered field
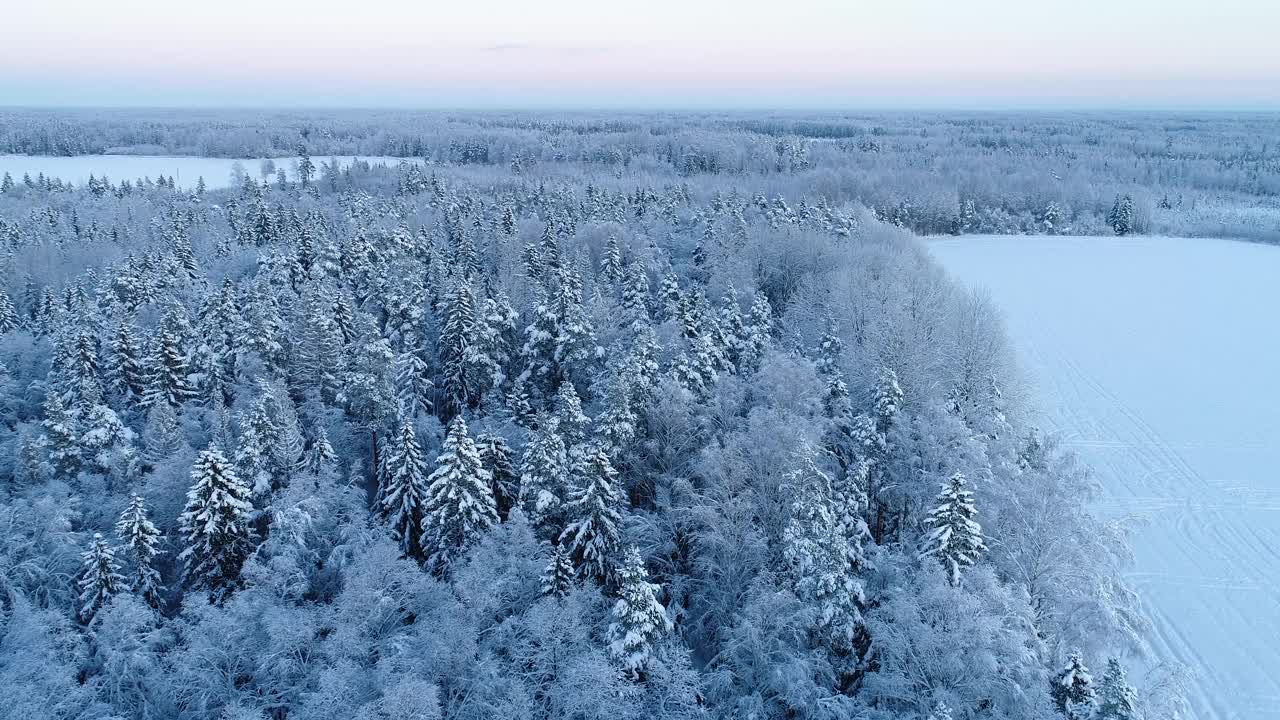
[[217, 172], [1158, 361]]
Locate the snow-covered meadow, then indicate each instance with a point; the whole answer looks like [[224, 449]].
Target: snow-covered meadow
[[185, 171], [1155, 359]]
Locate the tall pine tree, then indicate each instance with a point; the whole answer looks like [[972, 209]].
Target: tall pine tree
[[954, 536], [100, 577], [215, 526], [140, 538], [459, 503], [402, 496]]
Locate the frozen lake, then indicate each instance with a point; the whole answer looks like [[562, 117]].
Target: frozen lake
[[1156, 360], [217, 172]]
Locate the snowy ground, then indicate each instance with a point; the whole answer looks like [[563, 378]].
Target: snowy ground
[[1158, 361], [217, 172]]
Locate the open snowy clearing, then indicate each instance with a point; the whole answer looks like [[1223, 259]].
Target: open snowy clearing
[[185, 171], [1156, 359]]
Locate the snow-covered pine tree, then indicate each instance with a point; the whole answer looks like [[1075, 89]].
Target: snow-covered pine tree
[[819, 559], [695, 368], [100, 577], [491, 355], [368, 390], [402, 496], [1116, 697], [456, 338], [124, 371], [319, 348], [321, 455], [140, 538], [62, 437], [168, 379], [1072, 690], [887, 400], [830, 350], [539, 349], [263, 329], [459, 503], [557, 578], [8, 315], [106, 445], [849, 505], [258, 433], [575, 339], [638, 620], [162, 436], [616, 426], [954, 536], [217, 536], [671, 294], [611, 264], [759, 333], [635, 294], [1121, 216], [544, 470], [414, 389], [497, 457], [569, 418], [592, 537]]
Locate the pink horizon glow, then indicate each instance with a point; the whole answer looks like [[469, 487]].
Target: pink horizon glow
[[814, 52]]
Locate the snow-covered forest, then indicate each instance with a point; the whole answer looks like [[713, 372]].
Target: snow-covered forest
[[1204, 175], [585, 417]]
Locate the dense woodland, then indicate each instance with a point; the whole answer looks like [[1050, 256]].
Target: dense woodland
[[582, 419], [1211, 174]]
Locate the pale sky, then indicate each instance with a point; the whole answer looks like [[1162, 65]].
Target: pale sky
[[643, 53]]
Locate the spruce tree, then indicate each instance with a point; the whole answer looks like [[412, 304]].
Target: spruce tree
[[544, 473], [611, 265], [616, 426], [62, 437], [635, 295], [496, 456], [414, 388], [638, 620], [887, 401], [100, 577], [570, 419], [126, 377], [592, 509], [402, 496], [557, 578], [954, 537], [215, 526], [140, 538], [1116, 697], [1121, 216], [168, 374], [162, 436], [321, 455], [759, 331], [258, 434], [106, 444], [459, 504], [819, 559], [456, 339], [830, 350], [1072, 690], [8, 315], [491, 354]]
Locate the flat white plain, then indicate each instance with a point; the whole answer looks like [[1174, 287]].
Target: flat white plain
[[1156, 360]]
